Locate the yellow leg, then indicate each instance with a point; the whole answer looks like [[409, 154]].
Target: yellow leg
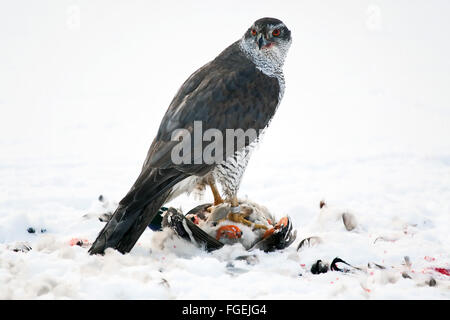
[[217, 198], [234, 202]]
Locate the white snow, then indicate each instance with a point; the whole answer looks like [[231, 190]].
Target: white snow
[[364, 125]]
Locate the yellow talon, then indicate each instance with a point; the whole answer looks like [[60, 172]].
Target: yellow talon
[[238, 217]]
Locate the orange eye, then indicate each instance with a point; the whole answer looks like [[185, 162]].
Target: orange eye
[[253, 32], [276, 32]]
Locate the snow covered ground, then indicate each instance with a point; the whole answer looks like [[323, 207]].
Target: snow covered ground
[[364, 125]]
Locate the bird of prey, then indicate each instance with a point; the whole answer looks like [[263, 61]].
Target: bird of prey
[[240, 89]]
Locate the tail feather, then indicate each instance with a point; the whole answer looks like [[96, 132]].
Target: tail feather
[[130, 238], [137, 211]]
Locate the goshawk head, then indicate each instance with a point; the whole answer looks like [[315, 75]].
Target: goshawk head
[[267, 42]]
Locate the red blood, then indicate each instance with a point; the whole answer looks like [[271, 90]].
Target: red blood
[[429, 259], [77, 242], [443, 271], [269, 45]]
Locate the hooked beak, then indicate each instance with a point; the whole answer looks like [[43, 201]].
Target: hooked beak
[[261, 41]]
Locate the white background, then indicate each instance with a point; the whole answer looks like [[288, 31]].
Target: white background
[[364, 124]]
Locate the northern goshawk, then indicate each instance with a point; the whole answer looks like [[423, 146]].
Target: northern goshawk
[[240, 89]]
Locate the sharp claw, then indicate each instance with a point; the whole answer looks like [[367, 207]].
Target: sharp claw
[[240, 218]]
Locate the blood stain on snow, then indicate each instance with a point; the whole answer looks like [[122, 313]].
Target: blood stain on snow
[[443, 271]]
